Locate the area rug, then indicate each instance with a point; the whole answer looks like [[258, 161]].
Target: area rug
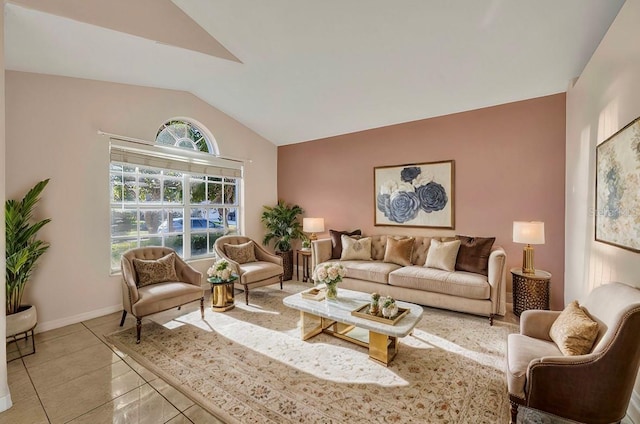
[[249, 365]]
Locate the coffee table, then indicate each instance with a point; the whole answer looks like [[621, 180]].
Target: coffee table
[[334, 317]]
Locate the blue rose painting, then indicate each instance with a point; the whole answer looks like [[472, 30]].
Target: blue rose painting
[[417, 195]]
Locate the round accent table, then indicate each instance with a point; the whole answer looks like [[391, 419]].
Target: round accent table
[[222, 298], [530, 291]]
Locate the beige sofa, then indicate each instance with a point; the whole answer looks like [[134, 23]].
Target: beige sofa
[[457, 291]]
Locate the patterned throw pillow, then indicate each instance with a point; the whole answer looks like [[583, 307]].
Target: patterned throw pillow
[[399, 251], [442, 254], [241, 253], [355, 249], [336, 241], [155, 271], [574, 331], [473, 255]]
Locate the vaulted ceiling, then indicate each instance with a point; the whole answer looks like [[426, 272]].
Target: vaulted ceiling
[[298, 70]]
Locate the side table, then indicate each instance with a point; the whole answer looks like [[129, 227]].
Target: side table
[[222, 296], [530, 291], [306, 256]]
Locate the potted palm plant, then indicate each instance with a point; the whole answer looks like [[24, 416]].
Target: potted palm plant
[[283, 227], [23, 250]]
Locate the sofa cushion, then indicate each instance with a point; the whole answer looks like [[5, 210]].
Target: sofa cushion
[[574, 331], [355, 249], [473, 255], [240, 253], [442, 254], [253, 272], [521, 350], [398, 251], [460, 283], [149, 271], [375, 271], [336, 241]]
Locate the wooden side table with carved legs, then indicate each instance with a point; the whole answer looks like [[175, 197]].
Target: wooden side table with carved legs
[[530, 291]]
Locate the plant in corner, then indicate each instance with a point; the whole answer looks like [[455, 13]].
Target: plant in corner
[[23, 250], [283, 227]]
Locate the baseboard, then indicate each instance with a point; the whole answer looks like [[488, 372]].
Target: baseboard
[[51, 325], [633, 411], [5, 402]]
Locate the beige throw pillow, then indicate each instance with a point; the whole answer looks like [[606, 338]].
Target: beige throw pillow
[[155, 271], [399, 251], [574, 331], [355, 249], [442, 254], [241, 253]]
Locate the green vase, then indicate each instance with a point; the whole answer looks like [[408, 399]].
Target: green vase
[[332, 290]]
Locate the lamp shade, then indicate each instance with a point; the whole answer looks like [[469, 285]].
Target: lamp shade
[[528, 232], [313, 225]]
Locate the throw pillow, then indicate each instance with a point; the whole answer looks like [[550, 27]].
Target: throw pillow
[[399, 251], [356, 249], [241, 253], [149, 271], [574, 331], [442, 254], [336, 241], [473, 255]]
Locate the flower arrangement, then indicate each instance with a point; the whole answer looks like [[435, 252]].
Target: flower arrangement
[[221, 271], [389, 307], [374, 309], [330, 274]]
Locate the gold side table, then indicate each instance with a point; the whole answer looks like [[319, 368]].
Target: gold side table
[[222, 295], [530, 291]]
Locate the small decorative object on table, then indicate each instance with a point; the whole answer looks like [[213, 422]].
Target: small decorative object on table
[[330, 275], [389, 307], [221, 277], [374, 309]]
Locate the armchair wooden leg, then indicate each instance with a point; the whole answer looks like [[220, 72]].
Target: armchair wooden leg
[[491, 319], [246, 295], [514, 412], [124, 315], [281, 282], [138, 329], [202, 307], [179, 307]]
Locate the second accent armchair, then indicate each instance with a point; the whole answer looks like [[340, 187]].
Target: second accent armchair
[[255, 266]]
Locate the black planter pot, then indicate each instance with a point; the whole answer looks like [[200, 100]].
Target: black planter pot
[[287, 264]]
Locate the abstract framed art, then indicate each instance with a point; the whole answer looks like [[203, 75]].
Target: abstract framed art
[[617, 213], [415, 195]]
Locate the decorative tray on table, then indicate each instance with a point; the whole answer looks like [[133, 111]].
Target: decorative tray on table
[[363, 312], [314, 294]]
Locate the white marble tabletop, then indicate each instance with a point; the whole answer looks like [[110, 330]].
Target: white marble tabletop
[[348, 300]]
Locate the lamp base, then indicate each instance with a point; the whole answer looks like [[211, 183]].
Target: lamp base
[[313, 237], [527, 260]]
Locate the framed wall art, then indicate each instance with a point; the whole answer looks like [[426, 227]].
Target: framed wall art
[[617, 217], [415, 195]]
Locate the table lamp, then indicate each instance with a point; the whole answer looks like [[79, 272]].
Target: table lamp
[[528, 233], [313, 226]]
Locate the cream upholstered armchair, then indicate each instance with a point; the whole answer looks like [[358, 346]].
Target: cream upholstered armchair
[[156, 279], [255, 266], [592, 388]]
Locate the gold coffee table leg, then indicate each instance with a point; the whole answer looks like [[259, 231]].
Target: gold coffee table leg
[[382, 348]]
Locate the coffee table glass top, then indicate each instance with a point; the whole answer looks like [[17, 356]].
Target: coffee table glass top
[[348, 300]]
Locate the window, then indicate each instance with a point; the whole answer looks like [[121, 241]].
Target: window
[[180, 196]]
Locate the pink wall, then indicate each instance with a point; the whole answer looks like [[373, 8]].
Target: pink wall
[[509, 166]]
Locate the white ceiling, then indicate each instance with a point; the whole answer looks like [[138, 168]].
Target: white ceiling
[[311, 69]]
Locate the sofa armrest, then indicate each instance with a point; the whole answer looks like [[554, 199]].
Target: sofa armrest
[[320, 252], [537, 323], [497, 277]]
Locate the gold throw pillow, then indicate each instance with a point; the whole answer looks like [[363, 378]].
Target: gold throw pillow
[[399, 251], [240, 253], [155, 271], [574, 331]]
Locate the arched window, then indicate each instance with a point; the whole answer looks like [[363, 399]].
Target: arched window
[[162, 197]]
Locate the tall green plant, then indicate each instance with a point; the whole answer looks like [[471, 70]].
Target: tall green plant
[[281, 222], [23, 249]]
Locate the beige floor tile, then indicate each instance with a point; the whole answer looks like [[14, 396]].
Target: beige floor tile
[[61, 346], [20, 385], [142, 371], [114, 317], [100, 330], [142, 405], [74, 398], [27, 410], [66, 368], [199, 416], [173, 395], [20, 347], [180, 419], [58, 332]]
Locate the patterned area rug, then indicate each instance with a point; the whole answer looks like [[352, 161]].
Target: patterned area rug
[[249, 365]]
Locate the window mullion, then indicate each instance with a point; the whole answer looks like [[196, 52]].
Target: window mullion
[[186, 221]]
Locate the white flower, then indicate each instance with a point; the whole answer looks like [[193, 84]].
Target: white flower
[[332, 273], [329, 273], [225, 274], [321, 274], [211, 271], [422, 179]]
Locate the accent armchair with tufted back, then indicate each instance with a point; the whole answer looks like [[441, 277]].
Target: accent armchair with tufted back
[[591, 388], [266, 270], [158, 297]]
